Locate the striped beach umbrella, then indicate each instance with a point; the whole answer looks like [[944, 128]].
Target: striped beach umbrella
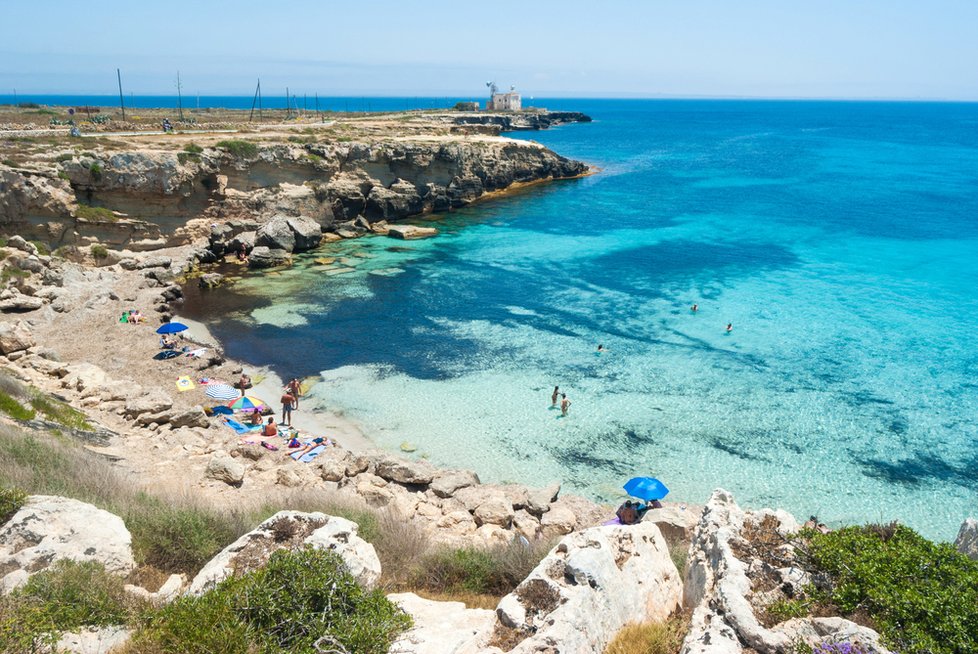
[[247, 403], [223, 392]]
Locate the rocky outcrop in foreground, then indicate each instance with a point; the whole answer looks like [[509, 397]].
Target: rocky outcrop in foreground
[[967, 540], [722, 589]]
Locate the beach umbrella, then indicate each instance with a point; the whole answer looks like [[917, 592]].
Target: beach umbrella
[[223, 392], [171, 328], [246, 403], [646, 488]]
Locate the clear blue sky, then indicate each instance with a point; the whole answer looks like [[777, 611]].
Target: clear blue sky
[[748, 48]]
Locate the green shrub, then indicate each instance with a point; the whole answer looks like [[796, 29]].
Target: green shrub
[[95, 214], [42, 247], [3, 242], [11, 499], [10, 162], [490, 571], [9, 272], [286, 606], [192, 148], [60, 413], [99, 251], [64, 156], [923, 596], [177, 538], [15, 408], [786, 609], [66, 596], [240, 149], [95, 171], [63, 175]]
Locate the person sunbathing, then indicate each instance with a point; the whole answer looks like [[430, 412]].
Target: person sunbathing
[[255, 417], [271, 429], [311, 445]]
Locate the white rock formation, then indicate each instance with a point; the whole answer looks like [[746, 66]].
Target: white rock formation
[[48, 529], [718, 591], [291, 529], [442, 627], [967, 540], [93, 640], [591, 585]]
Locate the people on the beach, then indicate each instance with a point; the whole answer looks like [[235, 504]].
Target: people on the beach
[[556, 394], [244, 383], [294, 387], [694, 308], [288, 403], [628, 513], [167, 343], [255, 417], [270, 429], [311, 445], [729, 327], [564, 404], [136, 316], [813, 523], [242, 252]]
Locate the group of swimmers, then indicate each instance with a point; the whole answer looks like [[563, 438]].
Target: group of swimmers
[[696, 308]]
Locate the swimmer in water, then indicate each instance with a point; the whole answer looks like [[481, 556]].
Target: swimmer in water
[[729, 327], [694, 308], [564, 404], [601, 348], [553, 398]]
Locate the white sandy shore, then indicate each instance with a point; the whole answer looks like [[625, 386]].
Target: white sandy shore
[[311, 418]]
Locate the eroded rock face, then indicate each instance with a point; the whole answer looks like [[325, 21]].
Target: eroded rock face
[[718, 590], [289, 529], [49, 528], [591, 585], [222, 467], [967, 540]]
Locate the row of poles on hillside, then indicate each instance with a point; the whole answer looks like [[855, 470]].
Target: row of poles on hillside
[[291, 103]]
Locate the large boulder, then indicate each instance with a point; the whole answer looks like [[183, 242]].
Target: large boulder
[[153, 403], [967, 540], [308, 233], [49, 528], [410, 232], [447, 482], [276, 234], [222, 467], [290, 530], [590, 586], [265, 257], [20, 303], [15, 337], [441, 627], [404, 471]]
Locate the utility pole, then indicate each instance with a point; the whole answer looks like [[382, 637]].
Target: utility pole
[[179, 96], [252, 114], [122, 102]]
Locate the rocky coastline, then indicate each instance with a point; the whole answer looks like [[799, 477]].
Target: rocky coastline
[[166, 215]]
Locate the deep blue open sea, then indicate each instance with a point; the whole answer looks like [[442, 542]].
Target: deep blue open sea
[[839, 238]]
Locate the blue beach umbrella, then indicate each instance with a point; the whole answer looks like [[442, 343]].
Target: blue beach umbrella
[[646, 488], [171, 328]]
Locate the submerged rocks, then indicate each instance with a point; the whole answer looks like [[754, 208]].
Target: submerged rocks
[[410, 232], [47, 529], [264, 257]]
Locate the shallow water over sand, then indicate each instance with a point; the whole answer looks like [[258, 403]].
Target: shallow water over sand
[[838, 238]]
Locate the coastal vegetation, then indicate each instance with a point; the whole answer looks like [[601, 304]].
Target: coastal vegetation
[[651, 637], [94, 214], [922, 596], [239, 148]]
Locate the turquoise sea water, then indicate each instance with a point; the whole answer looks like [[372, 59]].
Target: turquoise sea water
[[840, 239]]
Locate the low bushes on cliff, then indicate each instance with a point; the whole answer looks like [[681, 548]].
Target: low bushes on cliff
[[238, 148], [923, 596], [65, 597], [294, 601]]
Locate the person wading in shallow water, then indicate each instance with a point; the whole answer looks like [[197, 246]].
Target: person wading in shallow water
[[729, 327], [564, 404], [553, 398]]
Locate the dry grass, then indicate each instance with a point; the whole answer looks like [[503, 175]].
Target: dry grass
[[650, 637], [471, 600]]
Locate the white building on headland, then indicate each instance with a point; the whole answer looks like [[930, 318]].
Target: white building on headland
[[510, 101]]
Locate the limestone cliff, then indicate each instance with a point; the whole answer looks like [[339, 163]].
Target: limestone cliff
[[150, 194]]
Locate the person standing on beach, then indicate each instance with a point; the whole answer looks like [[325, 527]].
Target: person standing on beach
[[288, 403], [294, 388], [553, 398], [564, 404]]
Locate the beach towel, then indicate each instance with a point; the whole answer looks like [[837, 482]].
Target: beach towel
[[310, 455], [184, 383], [199, 352], [239, 428]]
